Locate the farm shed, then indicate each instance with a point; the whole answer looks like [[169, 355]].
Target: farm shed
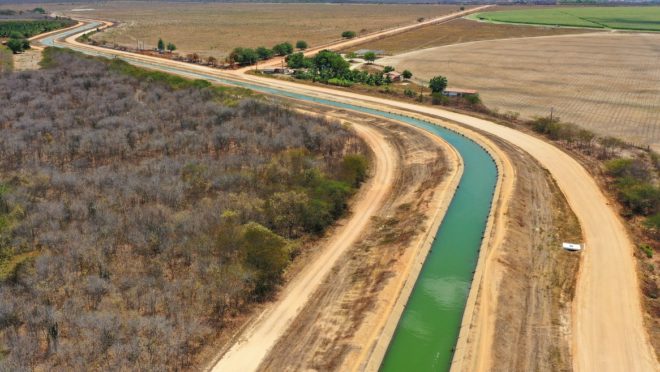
[[458, 92], [394, 76]]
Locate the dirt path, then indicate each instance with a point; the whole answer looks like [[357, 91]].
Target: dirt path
[[257, 340], [607, 332]]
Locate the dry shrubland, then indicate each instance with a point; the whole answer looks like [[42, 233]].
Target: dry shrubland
[[136, 218]]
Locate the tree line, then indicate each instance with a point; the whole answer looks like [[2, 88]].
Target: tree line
[[139, 214], [248, 56], [29, 28]]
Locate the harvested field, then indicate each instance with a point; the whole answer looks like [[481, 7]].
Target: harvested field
[[457, 31], [215, 29], [605, 82]]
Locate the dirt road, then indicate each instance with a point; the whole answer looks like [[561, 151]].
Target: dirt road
[[608, 332], [258, 339]]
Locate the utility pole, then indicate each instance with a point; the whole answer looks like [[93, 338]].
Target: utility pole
[[552, 109]]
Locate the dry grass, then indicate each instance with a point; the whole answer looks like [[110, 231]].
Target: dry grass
[[606, 82], [215, 29], [457, 31], [6, 60]]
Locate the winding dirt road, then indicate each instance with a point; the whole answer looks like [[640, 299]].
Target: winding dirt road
[[608, 331]]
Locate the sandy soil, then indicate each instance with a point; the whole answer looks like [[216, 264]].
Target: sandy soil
[[607, 328], [605, 82], [28, 60], [340, 327]]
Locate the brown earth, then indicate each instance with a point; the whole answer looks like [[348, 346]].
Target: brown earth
[[455, 32], [28, 60]]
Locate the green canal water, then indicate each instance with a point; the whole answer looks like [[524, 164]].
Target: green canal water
[[427, 332]]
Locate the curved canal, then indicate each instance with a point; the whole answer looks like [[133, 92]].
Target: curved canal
[[427, 332]]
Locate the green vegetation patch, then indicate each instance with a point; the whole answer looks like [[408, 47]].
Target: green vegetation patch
[[9, 267], [31, 28], [624, 18]]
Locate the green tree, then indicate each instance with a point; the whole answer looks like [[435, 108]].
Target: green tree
[[264, 53], [301, 44], [244, 56], [641, 198], [406, 74], [348, 34], [265, 252], [354, 169], [438, 84], [161, 44], [15, 45], [283, 49], [370, 56], [653, 222], [39, 10], [297, 60], [171, 47], [387, 69], [329, 65]]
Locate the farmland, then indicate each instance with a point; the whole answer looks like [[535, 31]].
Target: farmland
[[457, 31], [215, 29], [609, 83], [624, 18]]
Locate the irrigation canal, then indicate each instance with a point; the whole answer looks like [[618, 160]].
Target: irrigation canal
[[427, 332]]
